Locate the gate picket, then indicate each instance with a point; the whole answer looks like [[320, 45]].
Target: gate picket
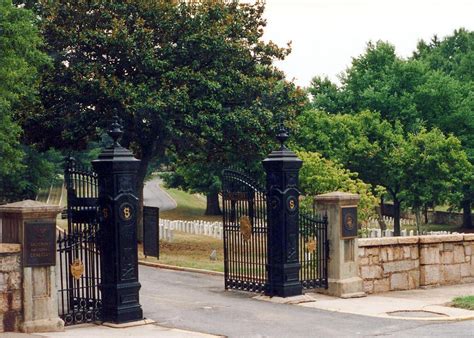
[[79, 297]]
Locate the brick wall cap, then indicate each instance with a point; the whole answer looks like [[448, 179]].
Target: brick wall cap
[[468, 237], [441, 238], [363, 242], [29, 206], [9, 248], [408, 240], [337, 196]]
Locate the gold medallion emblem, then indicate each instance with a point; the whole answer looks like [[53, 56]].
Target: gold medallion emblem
[[245, 227], [349, 222], [77, 269], [311, 245]]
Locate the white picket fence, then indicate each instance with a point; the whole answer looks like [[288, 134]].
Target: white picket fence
[[195, 227]]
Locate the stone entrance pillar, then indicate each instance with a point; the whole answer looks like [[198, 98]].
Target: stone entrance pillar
[[33, 225], [282, 167], [343, 268], [118, 204]]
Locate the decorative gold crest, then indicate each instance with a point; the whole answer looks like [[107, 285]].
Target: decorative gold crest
[[245, 227], [311, 245], [77, 269]]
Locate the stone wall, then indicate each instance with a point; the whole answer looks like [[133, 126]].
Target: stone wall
[[403, 263], [10, 287]]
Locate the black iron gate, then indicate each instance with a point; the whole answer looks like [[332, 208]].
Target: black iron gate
[[245, 238], [314, 250], [78, 250], [245, 233]]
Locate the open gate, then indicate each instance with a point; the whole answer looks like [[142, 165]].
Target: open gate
[[246, 237], [79, 295], [245, 232]]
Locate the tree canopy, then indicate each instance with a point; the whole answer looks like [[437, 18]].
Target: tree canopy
[[188, 79], [432, 89], [21, 61], [414, 168]]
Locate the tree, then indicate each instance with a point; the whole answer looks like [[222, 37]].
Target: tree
[[377, 80], [453, 57], [175, 72], [432, 89], [319, 175], [414, 168], [242, 139], [20, 60]]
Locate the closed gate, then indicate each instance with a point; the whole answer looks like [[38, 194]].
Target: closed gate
[[246, 236], [78, 250]]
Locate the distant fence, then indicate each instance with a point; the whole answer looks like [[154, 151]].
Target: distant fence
[[434, 217], [373, 229], [389, 221], [195, 227]]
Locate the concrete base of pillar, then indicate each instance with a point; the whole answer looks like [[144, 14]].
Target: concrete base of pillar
[[129, 324], [43, 325], [345, 288]]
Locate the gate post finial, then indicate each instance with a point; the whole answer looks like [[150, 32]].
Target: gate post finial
[[115, 131], [282, 168]]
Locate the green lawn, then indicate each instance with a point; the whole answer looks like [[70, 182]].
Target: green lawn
[[465, 302], [190, 207], [190, 251]]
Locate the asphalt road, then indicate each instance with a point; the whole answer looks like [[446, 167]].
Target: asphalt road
[[199, 302], [154, 196]]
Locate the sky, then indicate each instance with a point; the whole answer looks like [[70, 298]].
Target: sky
[[327, 34]]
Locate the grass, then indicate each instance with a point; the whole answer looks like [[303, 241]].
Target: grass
[[191, 251], [465, 302], [190, 207]]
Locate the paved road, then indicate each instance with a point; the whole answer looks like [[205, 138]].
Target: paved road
[[199, 302], [154, 196]]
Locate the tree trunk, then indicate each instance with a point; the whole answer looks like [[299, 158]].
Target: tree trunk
[[212, 205], [396, 217], [381, 206], [425, 212], [466, 214], [142, 170]]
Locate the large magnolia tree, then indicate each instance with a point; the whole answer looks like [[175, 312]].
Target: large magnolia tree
[[188, 78]]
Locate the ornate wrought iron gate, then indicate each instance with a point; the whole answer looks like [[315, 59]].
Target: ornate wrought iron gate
[[245, 233], [314, 250], [78, 250], [245, 238]]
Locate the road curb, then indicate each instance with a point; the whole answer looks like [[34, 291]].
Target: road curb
[[180, 268]]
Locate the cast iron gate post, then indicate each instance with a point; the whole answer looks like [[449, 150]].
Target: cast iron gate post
[[118, 206], [282, 167]]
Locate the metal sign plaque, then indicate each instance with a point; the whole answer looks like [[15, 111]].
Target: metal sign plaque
[[151, 245], [349, 222], [39, 244]]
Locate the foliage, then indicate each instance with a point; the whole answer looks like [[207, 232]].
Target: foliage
[[189, 78], [436, 168], [415, 169], [432, 89], [319, 175], [20, 60]]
